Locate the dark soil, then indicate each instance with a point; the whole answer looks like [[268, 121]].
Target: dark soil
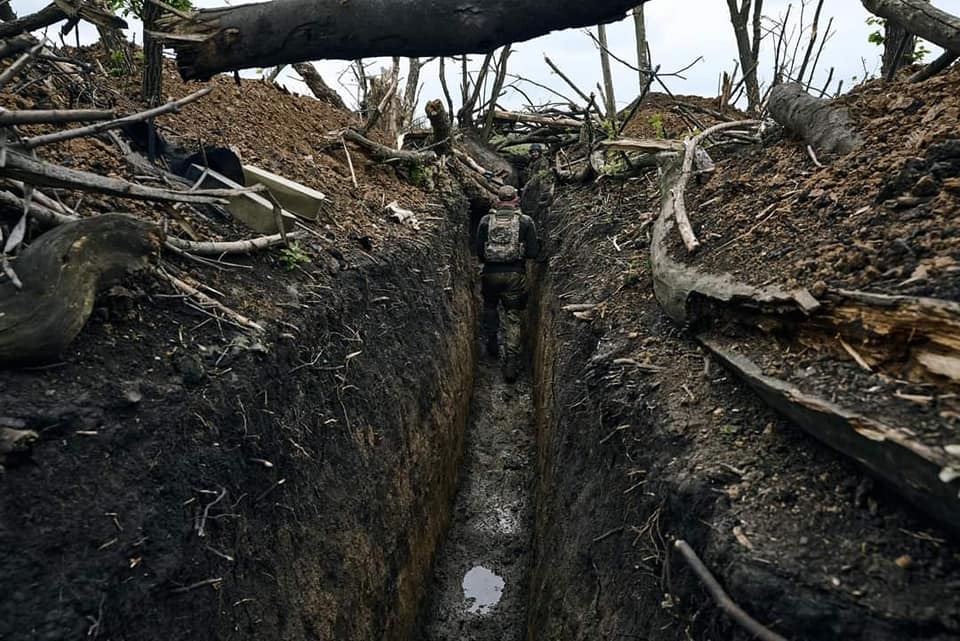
[[632, 456], [492, 522], [882, 218], [192, 481]]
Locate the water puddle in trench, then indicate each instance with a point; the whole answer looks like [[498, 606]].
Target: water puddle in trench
[[482, 569], [483, 588]]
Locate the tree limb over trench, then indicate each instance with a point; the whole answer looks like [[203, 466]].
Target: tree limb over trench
[[913, 338], [265, 34], [62, 272]]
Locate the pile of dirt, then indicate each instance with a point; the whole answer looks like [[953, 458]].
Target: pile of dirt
[[643, 439], [192, 480], [294, 136], [882, 218], [675, 116]]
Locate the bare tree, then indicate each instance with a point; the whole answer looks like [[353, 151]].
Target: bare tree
[[748, 45], [610, 101], [643, 48]]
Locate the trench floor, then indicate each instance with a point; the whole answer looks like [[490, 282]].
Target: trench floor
[[481, 573]]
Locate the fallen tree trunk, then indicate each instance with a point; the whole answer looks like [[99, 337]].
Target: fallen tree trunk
[[820, 124], [383, 153], [920, 18], [536, 119], [320, 89], [913, 469], [266, 34], [61, 273]]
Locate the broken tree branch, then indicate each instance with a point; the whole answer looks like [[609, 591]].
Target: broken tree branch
[[69, 134], [920, 18], [383, 153], [52, 116]]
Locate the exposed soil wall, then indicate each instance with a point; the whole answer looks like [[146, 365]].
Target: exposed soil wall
[[642, 440], [193, 483]]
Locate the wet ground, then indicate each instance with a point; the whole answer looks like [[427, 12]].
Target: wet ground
[[482, 569]]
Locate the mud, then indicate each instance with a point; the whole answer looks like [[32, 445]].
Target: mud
[[479, 591]]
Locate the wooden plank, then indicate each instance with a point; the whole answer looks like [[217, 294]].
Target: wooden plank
[[887, 452], [292, 196], [253, 210]]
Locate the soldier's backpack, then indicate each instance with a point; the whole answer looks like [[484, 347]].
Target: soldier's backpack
[[503, 237]]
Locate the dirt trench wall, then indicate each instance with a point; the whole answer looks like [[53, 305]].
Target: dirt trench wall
[[297, 494], [639, 442]]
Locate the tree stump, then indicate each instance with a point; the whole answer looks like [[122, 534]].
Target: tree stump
[[61, 273]]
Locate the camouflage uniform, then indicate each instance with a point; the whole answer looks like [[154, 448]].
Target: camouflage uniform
[[504, 283]]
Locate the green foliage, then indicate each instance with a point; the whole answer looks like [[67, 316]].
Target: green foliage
[[293, 256], [135, 7], [417, 174], [117, 63], [876, 37], [610, 129], [656, 121]]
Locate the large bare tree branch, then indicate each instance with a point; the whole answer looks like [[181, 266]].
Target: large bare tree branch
[[920, 18], [285, 31]]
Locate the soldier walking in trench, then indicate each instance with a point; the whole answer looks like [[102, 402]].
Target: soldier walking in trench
[[506, 238]]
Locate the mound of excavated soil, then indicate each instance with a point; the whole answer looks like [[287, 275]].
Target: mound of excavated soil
[[294, 136], [192, 481], [883, 218], [643, 439]]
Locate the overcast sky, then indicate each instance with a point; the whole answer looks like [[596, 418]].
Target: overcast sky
[[679, 31]]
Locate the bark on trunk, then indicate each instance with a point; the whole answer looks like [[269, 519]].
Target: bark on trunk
[[151, 90], [898, 44], [643, 50], [610, 100], [921, 18], [315, 83], [817, 122], [440, 122], [287, 31], [749, 53], [62, 273]]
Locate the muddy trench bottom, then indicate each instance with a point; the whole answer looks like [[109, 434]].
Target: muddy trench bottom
[[481, 572]]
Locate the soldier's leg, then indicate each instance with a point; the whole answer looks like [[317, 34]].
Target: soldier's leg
[[514, 302], [489, 316]]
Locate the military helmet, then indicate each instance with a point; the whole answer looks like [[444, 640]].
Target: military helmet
[[536, 147], [507, 193]]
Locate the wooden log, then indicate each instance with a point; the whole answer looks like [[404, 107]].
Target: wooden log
[[536, 119], [383, 153], [36, 172], [266, 34], [62, 272], [819, 123], [32, 22], [885, 450], [52, 116], [920, 18], [686, 293], [645, 145]]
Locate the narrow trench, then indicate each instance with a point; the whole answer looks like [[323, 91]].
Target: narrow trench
[[481, 571]]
